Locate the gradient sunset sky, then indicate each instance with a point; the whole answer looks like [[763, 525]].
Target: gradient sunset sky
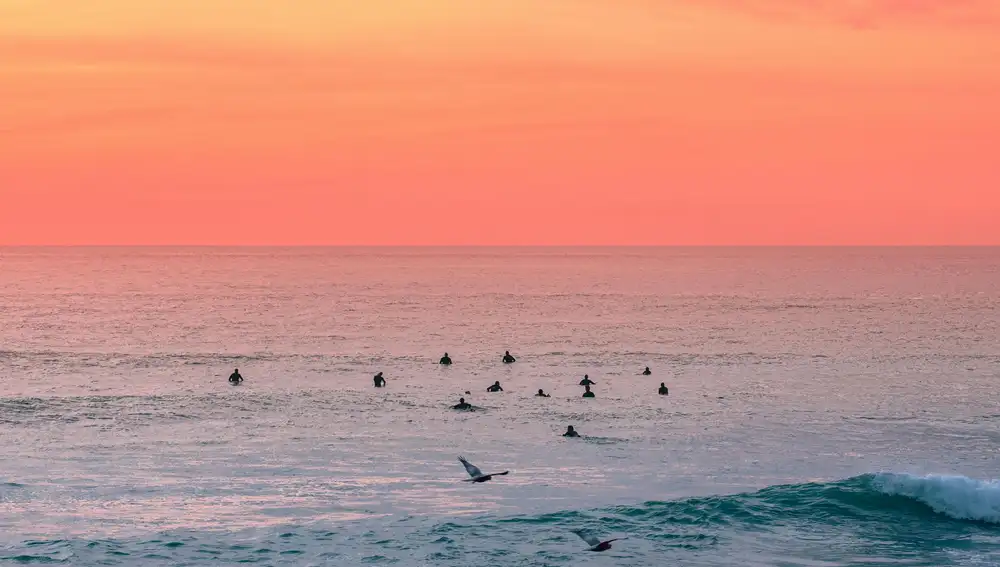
[[499, 122]]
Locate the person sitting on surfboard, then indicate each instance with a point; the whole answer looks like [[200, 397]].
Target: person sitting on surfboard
[[495, 387], [445, 359], [235, 377], [663, 389], [541, 394], [647, 372], [379, 380], [507, 358]]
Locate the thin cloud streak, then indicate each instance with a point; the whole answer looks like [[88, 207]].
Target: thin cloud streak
[[869, 14]]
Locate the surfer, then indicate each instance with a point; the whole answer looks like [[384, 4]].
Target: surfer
[[461, 405], [663, 391], [586, 381], [541, 394], [446, 360], [588, 393], [507, 358], [495, 387], [570, 432], [379, 380], [235, 377], [647, 372]]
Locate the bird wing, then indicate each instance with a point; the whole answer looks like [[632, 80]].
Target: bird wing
[[472, 469], [591, 540], [500, 473]]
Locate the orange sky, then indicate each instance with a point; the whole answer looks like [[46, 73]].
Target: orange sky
[[513, 122]]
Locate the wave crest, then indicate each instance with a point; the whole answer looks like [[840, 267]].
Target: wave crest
[[871, 500], [955, 496]]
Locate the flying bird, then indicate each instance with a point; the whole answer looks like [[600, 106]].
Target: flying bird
[[476, 474], [594, 543]]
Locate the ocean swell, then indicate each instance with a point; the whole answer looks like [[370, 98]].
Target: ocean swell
[[896, 509], [957, 497], [880, 496], [890, 517]]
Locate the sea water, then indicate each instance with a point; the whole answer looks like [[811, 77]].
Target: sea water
[[827, 406]]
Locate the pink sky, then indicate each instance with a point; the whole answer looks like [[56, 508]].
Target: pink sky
[[517, 122]]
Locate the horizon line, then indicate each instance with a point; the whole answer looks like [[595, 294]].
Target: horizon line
[[2, 246]]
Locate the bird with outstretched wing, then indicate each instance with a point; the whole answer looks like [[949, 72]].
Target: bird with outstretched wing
[[595, 543], [476, 474]]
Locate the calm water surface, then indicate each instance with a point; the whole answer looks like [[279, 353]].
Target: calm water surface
[[827, 406]]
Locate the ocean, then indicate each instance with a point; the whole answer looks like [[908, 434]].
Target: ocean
[[827, 406]]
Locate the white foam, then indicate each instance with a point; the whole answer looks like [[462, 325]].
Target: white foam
[[957, 496]]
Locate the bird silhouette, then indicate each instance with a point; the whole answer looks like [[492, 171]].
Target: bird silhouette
[[594, 543], [476, 474]]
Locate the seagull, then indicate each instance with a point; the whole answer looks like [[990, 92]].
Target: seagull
[[594, 543], [476, 474]]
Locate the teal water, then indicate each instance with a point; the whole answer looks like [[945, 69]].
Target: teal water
[[827, 407], [882, 519]]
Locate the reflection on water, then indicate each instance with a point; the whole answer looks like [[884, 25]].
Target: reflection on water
[[121, 441]]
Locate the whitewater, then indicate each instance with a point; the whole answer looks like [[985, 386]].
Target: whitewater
[[827, 407]]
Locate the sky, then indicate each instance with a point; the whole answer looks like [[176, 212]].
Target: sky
[[514, 122]]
